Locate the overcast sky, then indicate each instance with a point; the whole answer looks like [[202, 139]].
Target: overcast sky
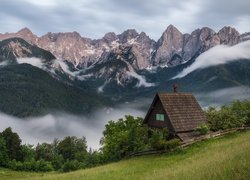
[[94, 18]]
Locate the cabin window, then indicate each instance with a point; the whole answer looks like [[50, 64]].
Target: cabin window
[[160, 117]]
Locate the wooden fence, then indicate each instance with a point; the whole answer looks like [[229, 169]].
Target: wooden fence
[[191, 141]]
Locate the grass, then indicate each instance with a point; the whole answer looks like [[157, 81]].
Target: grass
[[220, 158]]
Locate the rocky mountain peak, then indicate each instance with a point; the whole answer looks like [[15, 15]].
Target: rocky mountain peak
[[168, 45], [128, 35], [110, 37], [28, 35], [173, 47], [171, 28], [25, 31], [229, 35]]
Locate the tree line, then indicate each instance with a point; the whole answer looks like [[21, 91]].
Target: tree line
[[120, 138]]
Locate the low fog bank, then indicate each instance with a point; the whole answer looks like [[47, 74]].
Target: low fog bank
[[223, 96], [59, 125], [220, 54]]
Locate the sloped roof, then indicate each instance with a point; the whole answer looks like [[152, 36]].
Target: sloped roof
[[183, 111]]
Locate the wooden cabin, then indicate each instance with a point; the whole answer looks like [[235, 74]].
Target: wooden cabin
[[180, 113]]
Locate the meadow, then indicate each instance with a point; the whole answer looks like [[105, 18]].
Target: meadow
[[225, 157]]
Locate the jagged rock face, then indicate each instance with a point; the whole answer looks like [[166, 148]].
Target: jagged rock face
[[24, 33], [141, 49], [169, 45], [69, 46], [13, 48], [245, 37], [229, 36], [173, 48], [199, 41]]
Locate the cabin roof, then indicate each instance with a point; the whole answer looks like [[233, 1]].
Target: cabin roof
[[182, 109]]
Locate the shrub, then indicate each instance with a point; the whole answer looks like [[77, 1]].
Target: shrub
[[44, 166], [158, 138], [171, 144], [202, 129], [123, 137], [235, 115], [71, 166], [57, 162]]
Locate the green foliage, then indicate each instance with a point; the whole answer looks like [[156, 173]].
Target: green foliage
[[29, 91], [28, 153], [4, 159], [235, 115], [93, 158], [36, 166], [71, 166], [241, 109], [171, 144], [159, 140], [202, 129], [13, 144], [123, 137], [57, 161], [71, 148], [44, 151]]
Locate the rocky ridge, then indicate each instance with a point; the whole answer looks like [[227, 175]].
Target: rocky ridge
[[173, 47]]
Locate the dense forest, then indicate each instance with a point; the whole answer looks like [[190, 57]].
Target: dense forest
[[120, 139]]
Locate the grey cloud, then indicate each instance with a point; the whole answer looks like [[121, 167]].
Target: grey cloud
[[219, 54], [94, 18], [59, 125], [223, 13]]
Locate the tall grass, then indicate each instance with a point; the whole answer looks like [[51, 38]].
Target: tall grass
[[222, 158]]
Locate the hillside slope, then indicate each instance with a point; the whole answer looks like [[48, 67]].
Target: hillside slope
[[29, 91], [222, 158]]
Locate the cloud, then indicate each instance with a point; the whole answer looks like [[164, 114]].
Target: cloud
[[65, 68], [223, 96], [59, 125], [96, 17], [220, 54], [4, 63], [142, 82], [32, 61]]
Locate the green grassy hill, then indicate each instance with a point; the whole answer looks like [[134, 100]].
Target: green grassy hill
[[221, 158]]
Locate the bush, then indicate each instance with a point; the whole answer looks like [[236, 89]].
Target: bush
[[71, 166], [57, 162], [232, 116], [171, 144], [37, 166], [158, 138], [123, 137], [202, 129], [44, 166]]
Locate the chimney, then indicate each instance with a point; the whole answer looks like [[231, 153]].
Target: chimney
[[175, 88]]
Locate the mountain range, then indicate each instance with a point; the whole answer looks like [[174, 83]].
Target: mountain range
[[113, 69]]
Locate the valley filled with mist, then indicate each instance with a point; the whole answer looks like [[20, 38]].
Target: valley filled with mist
[[57, 125]]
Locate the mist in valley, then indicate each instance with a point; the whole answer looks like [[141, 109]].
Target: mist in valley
[[58, 125]]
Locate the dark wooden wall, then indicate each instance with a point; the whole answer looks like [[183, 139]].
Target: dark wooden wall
[[157, 108]]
